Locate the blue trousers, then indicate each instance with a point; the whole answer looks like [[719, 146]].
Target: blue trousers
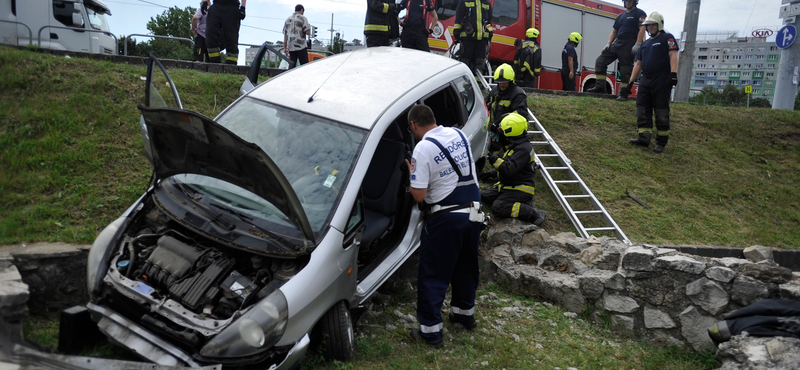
[[448, 255]]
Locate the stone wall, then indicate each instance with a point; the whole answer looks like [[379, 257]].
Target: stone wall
[[651, 292]]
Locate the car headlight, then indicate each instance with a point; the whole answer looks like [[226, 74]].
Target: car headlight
[[98, 255], [258, 330]]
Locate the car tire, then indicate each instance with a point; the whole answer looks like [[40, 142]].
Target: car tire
[[336, 328]]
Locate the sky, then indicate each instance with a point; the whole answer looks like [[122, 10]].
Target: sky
[[264, 21]]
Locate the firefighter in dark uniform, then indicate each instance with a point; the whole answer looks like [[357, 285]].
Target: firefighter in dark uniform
[[569, 62], [504, 98], [380, 25], [623, 43], [473, 29], [442, 173], [512, 195], [528, 59], [416, 27], [657, 60], [224, 18]]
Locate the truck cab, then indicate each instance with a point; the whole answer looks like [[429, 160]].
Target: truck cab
[[73, 25]]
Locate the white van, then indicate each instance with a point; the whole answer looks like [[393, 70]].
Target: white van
[[74, 25]]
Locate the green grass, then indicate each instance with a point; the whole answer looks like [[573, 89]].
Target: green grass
[[71, 161]]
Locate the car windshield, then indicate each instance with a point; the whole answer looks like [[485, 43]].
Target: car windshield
[[97, 18], [315, 154]]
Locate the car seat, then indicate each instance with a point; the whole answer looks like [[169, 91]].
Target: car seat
[[381, 190]]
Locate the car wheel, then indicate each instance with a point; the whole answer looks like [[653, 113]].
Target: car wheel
[[338, 340]]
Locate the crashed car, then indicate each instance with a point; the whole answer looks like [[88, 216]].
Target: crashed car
[[264, 227]]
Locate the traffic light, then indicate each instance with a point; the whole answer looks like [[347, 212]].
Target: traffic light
[[314, 31]]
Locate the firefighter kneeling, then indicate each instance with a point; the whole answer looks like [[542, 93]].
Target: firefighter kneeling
[[512, 195]]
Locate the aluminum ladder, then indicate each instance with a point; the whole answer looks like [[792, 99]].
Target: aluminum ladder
[[581, 205]]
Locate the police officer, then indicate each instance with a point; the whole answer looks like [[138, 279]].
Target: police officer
[[504, 98], [623, 43], [657, 60], [416, 27], [473, 28], [569, 62], [528, 59], [512, 195], [380, 25], [442, 174], [224, 18]]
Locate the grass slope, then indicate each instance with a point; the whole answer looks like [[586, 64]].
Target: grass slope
[[72, 157]]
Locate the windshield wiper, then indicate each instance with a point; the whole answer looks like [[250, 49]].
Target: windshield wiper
[[216, 217], [249, 220]]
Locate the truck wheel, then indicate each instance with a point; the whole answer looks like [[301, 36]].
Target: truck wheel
[[338, 341]]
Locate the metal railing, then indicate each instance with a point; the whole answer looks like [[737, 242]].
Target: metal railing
[[39, 35], [125, 42], [30, 33]]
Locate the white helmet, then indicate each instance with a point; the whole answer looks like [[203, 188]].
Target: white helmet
[[655, 18]]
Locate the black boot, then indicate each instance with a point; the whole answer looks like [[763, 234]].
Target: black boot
[[623, 95], [659, 148], [598, 88], [642, 140]]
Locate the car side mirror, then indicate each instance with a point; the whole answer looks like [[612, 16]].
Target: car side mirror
[[77, 19]]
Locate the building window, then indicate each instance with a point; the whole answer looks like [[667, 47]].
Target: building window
[[699, 74], [745, 82], [773, 48], [759, 65], [711, 82], [748, 66], [734, 74], [771, 66], [748, 57], [762, 49], [723, 74], [735, 83], [755, 91], [767, 92], [701, 65], [723, 83], [770, 74], [768, 83], [756, 83], [749, 49], [745, 74], [702, 57], [703, 50], [726, 57], [759, 57], [773, 57], [737, 57], [758, 74], [713, 57], [713, 74]]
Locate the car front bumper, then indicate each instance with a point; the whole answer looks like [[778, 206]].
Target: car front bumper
[[128, 334]]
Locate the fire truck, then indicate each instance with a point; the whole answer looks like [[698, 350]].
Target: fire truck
[[555, 20]]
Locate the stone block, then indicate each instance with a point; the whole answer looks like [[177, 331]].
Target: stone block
[[766, 273], [662, 252], [626, 323], [10, 274], [535, 238], [593, 283], [746, 290], [731, 262], [501, 254], [523, 255], [616, 282], [757, 253], [13, 293], [721, 274], [507, 231], [638, 259], [681, 263], [789, 290], [620, 303], [694, 328], [561, 289], [656, 319], [592, 255], [569, 242], [707, 294]]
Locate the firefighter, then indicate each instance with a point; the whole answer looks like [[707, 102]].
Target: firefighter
[[416, 27], [473, 29], [380, 25], [657, 60], [528, 59], [512, 195], [442, 174], [224, 19], [623, 43], [504, 98], [569, 62]]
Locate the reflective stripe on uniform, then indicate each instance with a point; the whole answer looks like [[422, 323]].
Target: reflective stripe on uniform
[[431, 329], [461, 311], [376, 27], [497, 163], [645, 130], [662, 133], [385, 8], [232, 57], [523, 188], [515, 210]]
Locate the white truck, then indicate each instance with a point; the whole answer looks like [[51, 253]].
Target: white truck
[[74, 25]]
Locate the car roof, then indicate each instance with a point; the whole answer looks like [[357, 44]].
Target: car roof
[[355, 87]]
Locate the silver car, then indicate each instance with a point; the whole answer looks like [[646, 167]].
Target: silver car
[[264, 227]]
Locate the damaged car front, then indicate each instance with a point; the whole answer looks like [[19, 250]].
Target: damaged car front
[[191, 273]]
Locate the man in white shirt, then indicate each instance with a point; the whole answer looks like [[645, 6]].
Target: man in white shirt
[[295, 30], [443, 175]]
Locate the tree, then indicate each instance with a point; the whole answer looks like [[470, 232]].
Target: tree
[[173, 22], [356, 42]]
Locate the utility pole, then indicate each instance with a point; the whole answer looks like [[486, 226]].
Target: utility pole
[[331, 29], [686, 59], [789, 66]]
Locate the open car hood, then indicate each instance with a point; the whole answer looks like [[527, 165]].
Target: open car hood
[[183, 141]]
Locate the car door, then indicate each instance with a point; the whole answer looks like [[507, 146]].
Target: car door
[[159, 92], [258, 63]]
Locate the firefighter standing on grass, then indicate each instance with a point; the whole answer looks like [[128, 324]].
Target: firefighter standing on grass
[[224, 19], [658, 62], [512, 195], [473, 29], [528, 59]]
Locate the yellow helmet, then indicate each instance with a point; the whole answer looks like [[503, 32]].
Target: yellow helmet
[[532, 33], [513, 125], [575, 37], [504, 73], [655, 18]]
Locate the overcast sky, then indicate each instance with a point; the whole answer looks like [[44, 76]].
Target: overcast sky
[[264, 21]]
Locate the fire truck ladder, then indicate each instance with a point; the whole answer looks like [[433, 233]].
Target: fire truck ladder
[[581, 205]]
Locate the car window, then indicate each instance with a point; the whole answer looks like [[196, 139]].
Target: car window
[[446, 8], [446, 107], [505, 12], [315, 154], [467, 93]]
